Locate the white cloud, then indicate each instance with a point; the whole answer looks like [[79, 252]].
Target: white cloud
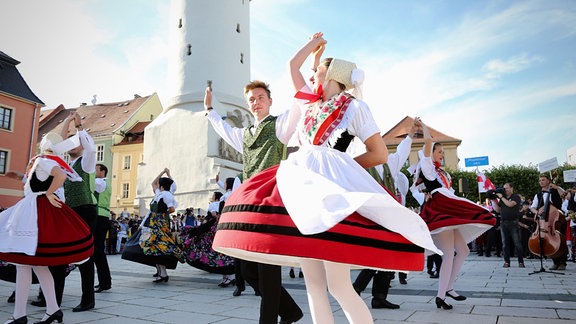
[[497, 67]]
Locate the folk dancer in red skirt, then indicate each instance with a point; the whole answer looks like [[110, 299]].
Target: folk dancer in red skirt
[[453, 221], [41, 231], [320, 209], [262, 145]]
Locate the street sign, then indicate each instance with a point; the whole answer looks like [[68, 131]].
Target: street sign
[[476, 161], [569, 175], [548, 165]]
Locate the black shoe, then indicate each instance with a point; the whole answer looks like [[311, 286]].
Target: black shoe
[[300, 274], [227, 282], [160, 279], [442, 303], [101, 288], [156, 275], [257, 293], [56, 316], [238, 291], [291, 273], [12, 298], [455, 297], [403, 281], [292, 319], [83, 308], [435, 275], [21, 320], [383, 303], [38, 303]]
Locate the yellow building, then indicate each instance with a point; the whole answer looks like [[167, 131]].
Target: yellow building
[[126, 156]]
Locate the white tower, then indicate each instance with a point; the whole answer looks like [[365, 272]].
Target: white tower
[[209, 41]]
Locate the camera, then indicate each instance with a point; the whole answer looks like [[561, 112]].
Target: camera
[[492, 194]]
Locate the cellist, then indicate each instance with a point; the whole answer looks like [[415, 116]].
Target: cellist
[[556, 193]]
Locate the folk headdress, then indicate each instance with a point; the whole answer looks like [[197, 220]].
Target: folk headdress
[[340, 71], [348, 74]]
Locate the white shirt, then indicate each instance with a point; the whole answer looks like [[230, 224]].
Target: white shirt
[[100, 185], [285, 127], [89, 153]]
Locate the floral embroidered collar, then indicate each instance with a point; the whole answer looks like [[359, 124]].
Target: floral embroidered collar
[[321, 119]]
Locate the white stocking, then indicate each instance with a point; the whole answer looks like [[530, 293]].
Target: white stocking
[[23, 283], [322, 275], [462, 252], [162, 270], [340, 287], [47, 283], [445, 242], [316, 286]]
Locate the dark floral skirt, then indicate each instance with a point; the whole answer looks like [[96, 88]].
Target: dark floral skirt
[[199, 253]]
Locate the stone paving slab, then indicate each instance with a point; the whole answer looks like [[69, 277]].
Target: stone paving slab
[[496, 295]]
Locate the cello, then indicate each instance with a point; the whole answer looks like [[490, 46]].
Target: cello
[[546, 239]]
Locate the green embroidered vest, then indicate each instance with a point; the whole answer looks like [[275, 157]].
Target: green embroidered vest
[[263, 149], [80, 193], [386, 179], [103, 199]]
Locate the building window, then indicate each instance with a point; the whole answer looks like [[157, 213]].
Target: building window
[[127, 162], [5, 118], [125, 190], [3, 162], [100, 153]]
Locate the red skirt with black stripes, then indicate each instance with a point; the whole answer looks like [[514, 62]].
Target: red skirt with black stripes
[[255, 226], [447, 211], [63, 237]]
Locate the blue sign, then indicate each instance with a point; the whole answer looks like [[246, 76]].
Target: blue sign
[[476, 161]]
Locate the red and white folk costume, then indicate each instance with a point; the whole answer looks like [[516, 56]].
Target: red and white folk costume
[[446, 210], [34, 232], [320, 204], [453, 222]]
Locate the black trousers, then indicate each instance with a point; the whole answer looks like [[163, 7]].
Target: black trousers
[[240, 282], [381, 283], [564, 258], [433, 259], [100, 261], [89, 214], [276, 301]]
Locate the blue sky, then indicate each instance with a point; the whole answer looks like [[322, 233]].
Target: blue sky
[[499, 75]]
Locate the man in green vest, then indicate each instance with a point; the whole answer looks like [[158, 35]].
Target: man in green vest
[[102, 192], [262, 145], [80, 197]]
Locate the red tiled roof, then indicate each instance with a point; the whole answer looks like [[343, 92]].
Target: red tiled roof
[[397, 133], [135, 135], [99, 120]]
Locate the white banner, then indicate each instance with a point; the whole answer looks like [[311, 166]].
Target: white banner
[[569, 176], [548, 165]]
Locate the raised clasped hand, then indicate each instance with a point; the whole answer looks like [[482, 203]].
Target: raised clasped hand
[[208, 98]]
